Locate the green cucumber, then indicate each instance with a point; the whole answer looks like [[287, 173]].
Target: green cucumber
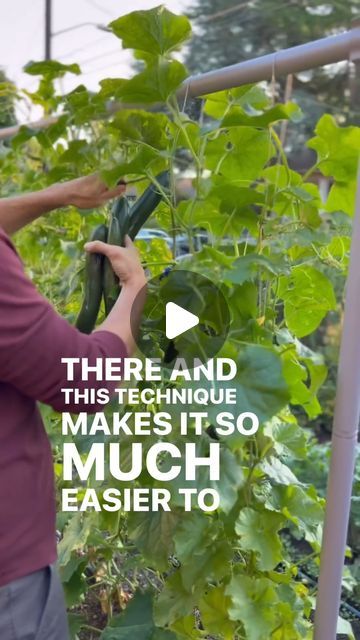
[[117, 231], [146, 204], [87, 317]]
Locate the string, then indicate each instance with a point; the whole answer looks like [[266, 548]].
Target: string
[[186, 94]]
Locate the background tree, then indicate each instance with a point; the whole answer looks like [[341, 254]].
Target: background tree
[[226, 32], [7, 101]]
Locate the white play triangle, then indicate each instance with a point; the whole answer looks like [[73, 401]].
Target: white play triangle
[[178, 320]]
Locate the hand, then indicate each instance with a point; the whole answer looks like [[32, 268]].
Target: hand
[[86, 193], [125, 261]]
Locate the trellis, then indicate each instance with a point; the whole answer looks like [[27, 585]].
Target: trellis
[[337, 48], [345, 46]]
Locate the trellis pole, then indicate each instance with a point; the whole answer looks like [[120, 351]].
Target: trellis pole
[[347, 404], [343, 449]]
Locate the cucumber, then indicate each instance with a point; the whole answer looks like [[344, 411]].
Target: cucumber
[[125, 221], [146, 204], [118, 229], [86, 319]]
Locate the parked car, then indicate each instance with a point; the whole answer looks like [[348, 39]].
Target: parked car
[[154, 234]]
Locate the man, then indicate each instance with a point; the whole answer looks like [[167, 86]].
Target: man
[[33, 339]]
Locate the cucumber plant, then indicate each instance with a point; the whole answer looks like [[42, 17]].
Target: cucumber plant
[[275, 246]]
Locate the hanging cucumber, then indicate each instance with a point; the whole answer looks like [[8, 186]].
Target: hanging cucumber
[[118, 229], [125, 221], [146, 204], [86, 319]]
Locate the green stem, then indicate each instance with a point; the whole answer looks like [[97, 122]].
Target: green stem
[[89, 627], [281, 151]]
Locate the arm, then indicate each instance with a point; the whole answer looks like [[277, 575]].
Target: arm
[[84, 193], [34, 338]]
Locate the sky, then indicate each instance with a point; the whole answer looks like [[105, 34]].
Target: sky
[[98, 53]]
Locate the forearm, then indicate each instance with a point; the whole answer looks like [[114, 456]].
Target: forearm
[[89, 192], [125, 317], [17, 212]]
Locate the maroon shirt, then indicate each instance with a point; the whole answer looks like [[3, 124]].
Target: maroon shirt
[[33, 339]]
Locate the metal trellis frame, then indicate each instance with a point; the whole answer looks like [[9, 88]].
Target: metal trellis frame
[[336, 48]]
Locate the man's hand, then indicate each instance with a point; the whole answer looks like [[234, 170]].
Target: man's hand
[[125, 261], [125, 317], [86, 193]]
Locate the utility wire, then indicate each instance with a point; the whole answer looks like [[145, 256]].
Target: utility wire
[[96, 69], [100, 56], [225, 12], [97, 6], [226, 16], [68, 54]]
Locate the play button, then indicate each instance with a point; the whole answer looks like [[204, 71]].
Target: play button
[[178, 320], [185, 316]]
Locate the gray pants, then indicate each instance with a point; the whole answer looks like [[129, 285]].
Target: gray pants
[[33, 608]]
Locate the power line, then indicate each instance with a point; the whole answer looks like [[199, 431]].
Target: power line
[[68, 54], [226, 15], [97, 6], [225, 12], [100, 56], [96, 69]]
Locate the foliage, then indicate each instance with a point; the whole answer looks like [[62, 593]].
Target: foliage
[[274, 247], [227, 33], [7, 101]]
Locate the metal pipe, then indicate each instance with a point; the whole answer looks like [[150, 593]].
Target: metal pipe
[[344, 440], [305, 56]]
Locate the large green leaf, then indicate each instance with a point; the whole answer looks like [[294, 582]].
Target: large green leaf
[[209, 564], [136, 622], [342, 197], [214, 611], [174, 602], [253, 602], [258, 532], [237, 116], [246, 268], [278, 472], [239, 153], [156, 31], [209, 215], [203, 550], [338, 149], [304, 377], [308, 295], [233, 196], [249, 97], [301, 506], [142, 126], [230, 482], [153, 534], [155, 84], [51, 68], [289, 439], [75, 536], [259, 384], [138, 165]]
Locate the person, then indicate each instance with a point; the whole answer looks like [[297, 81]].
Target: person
[[33, 340]]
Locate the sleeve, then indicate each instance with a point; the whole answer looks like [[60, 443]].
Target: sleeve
[[34, 339]]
